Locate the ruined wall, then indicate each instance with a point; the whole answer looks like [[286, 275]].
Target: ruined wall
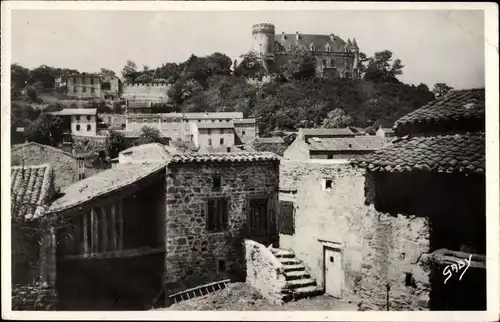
[[264, 271], [35, 154], [194, 254], [378, 248]]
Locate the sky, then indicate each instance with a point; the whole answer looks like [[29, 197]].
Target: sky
[[434, 45]]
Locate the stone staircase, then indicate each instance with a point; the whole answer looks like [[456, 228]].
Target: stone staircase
[[299, 282]]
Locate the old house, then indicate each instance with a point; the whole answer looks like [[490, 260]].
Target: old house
[[436, 172], [162, 226], [80, 121], [380, 234], [151, 152], [384, 132], [33, 247], [70, 167], [327, 147], [213, 134], [245, 131]]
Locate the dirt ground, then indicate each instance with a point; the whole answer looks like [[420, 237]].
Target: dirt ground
[[241, 297]]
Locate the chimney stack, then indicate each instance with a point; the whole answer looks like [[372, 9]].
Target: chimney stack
[[297, 35]]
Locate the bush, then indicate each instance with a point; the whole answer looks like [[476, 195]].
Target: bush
[[34, 297]]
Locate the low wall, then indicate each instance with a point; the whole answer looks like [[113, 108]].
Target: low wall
[[264, 271]]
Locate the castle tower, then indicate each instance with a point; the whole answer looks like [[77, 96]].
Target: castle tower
[[263, 38]]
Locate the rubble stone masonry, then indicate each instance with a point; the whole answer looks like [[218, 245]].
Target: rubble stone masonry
[[378, 249], [194, 253]]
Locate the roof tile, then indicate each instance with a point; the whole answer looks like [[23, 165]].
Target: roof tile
[[443, 153]]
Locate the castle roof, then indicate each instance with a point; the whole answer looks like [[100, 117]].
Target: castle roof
[[337, 44]]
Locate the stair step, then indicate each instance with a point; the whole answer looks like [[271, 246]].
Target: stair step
[[289, 261], [306, 291], [294, 284], [293, 267], [295, 275], [284, 254]]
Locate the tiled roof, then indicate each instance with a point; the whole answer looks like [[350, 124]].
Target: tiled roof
[[31, 189], [224, 157], [216, 115], [150, 152], [215, 125], [76, 111], [387, 129], [42, 146], [320, 41], [153, 115], [325, 132], [359, 143], [443, 153], [271, 140], [455, 107], [103, 183], [234, 148]]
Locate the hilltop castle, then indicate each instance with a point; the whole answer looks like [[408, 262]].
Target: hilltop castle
[[333, 55]]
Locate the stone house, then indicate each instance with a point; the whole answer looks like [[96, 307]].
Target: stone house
[[70, 168], [333, 147], [33, 247], [436, 172], [151, 152], [380, 233], [162, 226], [384, 132], [245, 131]]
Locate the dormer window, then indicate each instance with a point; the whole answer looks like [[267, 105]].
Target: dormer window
[[312, 47], [327, 47]]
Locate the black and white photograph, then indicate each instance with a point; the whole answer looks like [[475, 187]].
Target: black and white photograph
[[233, 157]]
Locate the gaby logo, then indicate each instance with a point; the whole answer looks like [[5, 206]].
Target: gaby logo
[[449, 269]]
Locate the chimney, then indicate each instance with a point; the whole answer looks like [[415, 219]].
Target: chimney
[[332, 37], [297, 35], [283, 36]]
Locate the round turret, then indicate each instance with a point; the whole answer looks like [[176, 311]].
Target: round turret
[[263, 38]]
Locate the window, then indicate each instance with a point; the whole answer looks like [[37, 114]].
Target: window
[[92, 81], [328, 184], [324, 62], [217, 215], [164, 120], [88, 127], [332, 62], [327, 48], [92, 90], [145, 120], [78, 127], [242, 132], [78, 117], [155, 121], [287, 214], [74, 89], [312, 48], [209, 131], [210, 142], [409, 280], [222, 265], [88, 117], [216, 182], [84, 89], [330, 156], [106, 86], [222, 141]]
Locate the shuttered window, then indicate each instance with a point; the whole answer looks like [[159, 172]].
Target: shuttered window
[[287, 214], [258, 216], [217, 215]]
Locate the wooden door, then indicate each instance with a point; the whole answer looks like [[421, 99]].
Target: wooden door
[[258, 217], [333, 272]]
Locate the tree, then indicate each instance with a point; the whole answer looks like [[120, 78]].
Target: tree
[[149, 135], [115, 143], [19, 76], [382, 69], [250, 67], [337, 118], [441, 89], [301, 64], [47, 129], [129, 71], [107, 72]]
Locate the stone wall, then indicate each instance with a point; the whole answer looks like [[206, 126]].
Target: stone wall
[[195, 255], [377, 248], [264, 271], [35, 154]]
